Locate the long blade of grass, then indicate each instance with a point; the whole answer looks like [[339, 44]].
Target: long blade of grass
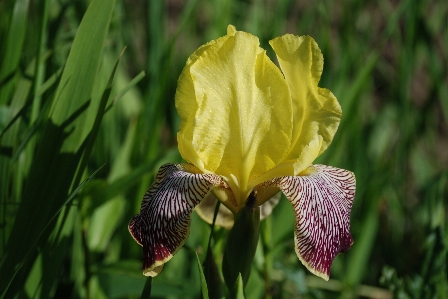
[[96, 125], [204, 288], [79, 75], [239, 288], [210, 268], [13, 45], [33, 246], [72, 117], [146, 293]]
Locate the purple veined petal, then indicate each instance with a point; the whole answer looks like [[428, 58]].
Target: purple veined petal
[[163, 225], [322, 199]]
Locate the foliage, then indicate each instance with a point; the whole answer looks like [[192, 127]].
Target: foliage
[[65, 111]]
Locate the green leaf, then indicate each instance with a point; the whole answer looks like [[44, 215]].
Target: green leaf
[[44, 230], [12, 50], [59, 150], [204, 288], [364, 245], [212, 277], [90, 141], [239, 288], [79, 75], [241, 245], [146, 293], [211, 272]]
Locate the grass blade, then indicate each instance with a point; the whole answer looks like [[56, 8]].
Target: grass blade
[[13, 45], [146, 293], [204, 288], [72, 117]]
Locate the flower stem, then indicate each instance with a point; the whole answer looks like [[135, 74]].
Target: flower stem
[[212, 226], [211, 272], [266, 240], [241, 244]]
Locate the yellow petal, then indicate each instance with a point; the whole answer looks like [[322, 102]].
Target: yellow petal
[[235, 109], [290, 167], [187, 105], [317, 112]]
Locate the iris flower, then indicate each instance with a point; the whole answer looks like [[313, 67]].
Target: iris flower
[[248, 127]]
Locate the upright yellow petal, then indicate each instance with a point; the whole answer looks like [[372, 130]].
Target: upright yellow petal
[[236, 111], [185, 92], [317, 112]]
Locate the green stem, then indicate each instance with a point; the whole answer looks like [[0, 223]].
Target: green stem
[[241, 245], [212, 226], [266, 240], [210, 269]]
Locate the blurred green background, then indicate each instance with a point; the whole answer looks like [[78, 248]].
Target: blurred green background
[[66, 112]]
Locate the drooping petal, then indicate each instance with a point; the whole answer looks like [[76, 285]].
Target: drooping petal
[[268, 206], [322, 198], [225, 218], [317, 112], [163, 225], [236, 111], [206, 210]]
